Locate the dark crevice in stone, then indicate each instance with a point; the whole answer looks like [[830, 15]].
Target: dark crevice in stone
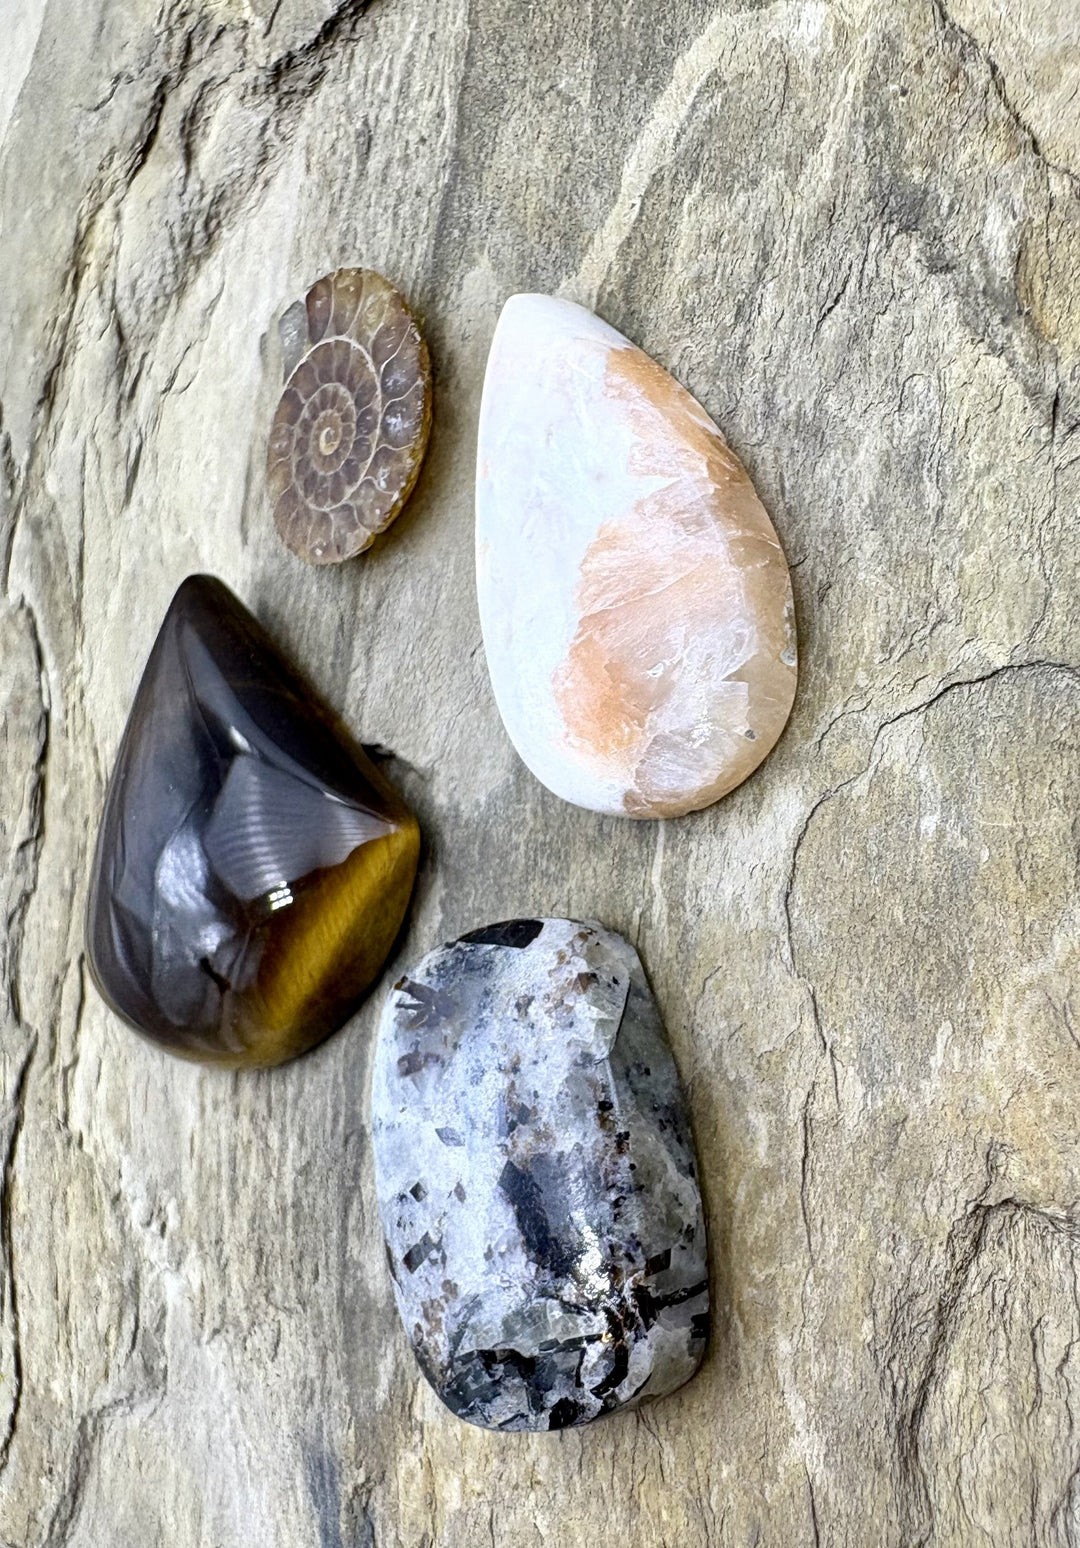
[[518, 933]]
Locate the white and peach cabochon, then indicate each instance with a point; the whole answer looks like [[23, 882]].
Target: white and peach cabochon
[[635, 601]]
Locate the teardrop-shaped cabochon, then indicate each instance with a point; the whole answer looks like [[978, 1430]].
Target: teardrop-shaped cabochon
[[252, 868], [635, 601]]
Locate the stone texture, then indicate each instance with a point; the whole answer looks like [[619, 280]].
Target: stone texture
[[833, 223], [352, 426], [636, 605], [252, 867], [536, 1178]]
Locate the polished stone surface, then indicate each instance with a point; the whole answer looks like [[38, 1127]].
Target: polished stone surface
[[536, 1178], [352, 425], [252, 866], [635, 602]]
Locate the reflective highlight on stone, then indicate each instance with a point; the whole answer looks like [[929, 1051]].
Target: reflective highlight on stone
[[536, 1178], [635, 602], [252, 867], [352, 426]]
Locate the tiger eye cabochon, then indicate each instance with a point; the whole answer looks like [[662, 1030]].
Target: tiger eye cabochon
[[253, 867], [351, 429]]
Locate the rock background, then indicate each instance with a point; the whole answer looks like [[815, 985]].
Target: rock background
[[852, 228]]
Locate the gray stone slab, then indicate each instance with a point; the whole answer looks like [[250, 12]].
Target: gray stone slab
[[851, 228]]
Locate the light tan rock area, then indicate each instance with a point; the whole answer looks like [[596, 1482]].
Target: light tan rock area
[[851, 230]]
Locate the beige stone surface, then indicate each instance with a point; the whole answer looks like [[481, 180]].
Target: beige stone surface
[[852, 229]]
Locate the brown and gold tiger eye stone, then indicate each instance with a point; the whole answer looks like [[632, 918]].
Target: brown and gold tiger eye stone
[[352, 426], [253, 867]]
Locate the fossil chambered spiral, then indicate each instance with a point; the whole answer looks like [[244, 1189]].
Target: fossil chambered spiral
[[352, 425]]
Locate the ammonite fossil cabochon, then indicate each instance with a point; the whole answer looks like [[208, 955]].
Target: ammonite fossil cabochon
[[352, 425]]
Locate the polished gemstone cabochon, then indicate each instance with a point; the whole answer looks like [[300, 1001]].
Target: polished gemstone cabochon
[[536, 1178], [352, 425], [252, 867], [635, 602]]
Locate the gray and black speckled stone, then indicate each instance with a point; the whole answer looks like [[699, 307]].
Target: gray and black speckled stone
[[536, 1178]]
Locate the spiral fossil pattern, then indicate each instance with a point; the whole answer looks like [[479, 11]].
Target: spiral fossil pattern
[[352, 425]]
